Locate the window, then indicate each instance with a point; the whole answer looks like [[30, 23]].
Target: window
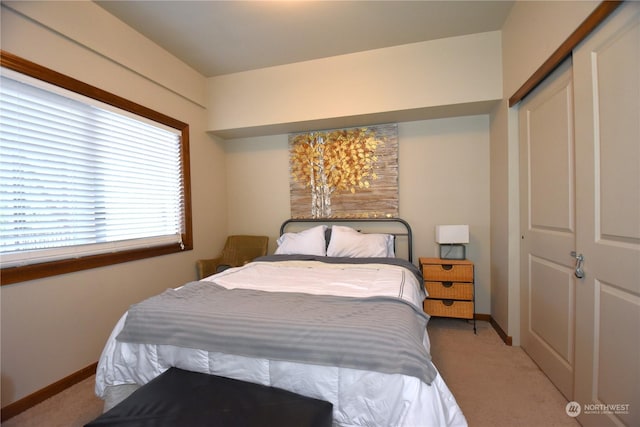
[[86, 178]]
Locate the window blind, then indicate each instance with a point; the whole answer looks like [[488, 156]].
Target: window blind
[[78, 178]]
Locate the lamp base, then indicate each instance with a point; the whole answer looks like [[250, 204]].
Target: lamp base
[[452, 251]]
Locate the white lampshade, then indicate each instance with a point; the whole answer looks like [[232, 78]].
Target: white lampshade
[[451, 234]]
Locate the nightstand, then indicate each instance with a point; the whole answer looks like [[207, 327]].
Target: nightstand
[[450, 285]]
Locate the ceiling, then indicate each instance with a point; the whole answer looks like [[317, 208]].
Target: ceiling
[[222, 37]]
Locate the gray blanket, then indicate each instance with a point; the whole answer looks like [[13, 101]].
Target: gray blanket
[[382, 334]]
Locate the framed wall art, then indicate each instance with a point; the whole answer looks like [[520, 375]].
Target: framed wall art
[[344, 173]]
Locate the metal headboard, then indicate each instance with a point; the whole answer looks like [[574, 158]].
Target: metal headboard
[[407, 233]]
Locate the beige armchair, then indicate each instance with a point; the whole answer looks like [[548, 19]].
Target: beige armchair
[[237, 251]]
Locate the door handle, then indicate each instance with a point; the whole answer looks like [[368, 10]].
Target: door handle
[[579, 271]]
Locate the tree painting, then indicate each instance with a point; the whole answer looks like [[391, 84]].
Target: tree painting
[[325, 164]]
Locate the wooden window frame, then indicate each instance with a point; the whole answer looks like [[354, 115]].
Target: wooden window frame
[[46, 269]]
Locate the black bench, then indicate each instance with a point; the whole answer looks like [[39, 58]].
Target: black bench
[[183, 398]]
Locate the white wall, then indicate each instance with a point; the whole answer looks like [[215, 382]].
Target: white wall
[[532, 32], [56, 326], [444, 179], [419, 76]]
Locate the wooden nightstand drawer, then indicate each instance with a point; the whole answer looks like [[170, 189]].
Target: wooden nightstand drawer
[[449, 308], [448, 272], [450, 290]]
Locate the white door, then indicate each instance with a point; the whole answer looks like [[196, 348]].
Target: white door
[[547, 223], [607, 118]]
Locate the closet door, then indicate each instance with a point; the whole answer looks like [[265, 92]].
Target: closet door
[[607, 119], [547, 226]]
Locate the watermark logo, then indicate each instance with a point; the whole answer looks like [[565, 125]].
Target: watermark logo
[[573, 409], [606, 409]]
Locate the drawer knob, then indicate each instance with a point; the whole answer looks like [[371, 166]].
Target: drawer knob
[[447, 266], [447, 284], [447, 302]]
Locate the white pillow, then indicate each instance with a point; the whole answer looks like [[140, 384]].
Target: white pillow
[[307, 242], [347, 242]]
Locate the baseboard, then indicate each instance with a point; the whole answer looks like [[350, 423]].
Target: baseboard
[[41, 395], [506, 338], [487, 318], [483, 317]]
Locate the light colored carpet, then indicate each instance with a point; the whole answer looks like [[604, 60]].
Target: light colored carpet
[[494, 384], [74, 407]]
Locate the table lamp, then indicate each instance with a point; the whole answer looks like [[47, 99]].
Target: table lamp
[[452, 239]]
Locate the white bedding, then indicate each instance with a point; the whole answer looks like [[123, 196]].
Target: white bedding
[[360, 398]]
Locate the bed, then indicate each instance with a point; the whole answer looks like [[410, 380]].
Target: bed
[[335, 314]]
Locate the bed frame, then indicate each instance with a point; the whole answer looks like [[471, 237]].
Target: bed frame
[[381, 225]]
